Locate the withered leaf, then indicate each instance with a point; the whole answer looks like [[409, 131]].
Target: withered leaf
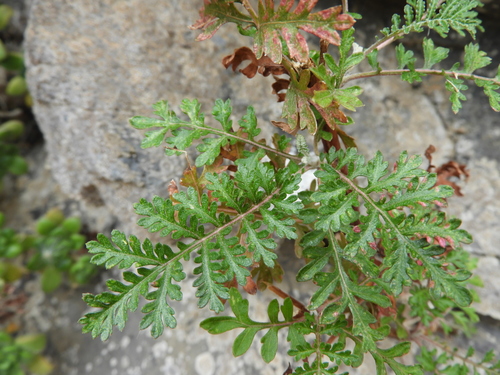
[[190, 179], [264, 65], [280, 85], [172, 188], [285, 127], [428, 155], [289, 370], [451, 169], [250, 287], [446, 171]]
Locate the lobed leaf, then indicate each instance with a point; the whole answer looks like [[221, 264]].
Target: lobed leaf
[[269, 27]]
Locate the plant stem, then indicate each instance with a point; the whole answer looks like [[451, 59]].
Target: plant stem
[[451, 352], [193, 246], [295, 158], [249, 9], [345, 6], [396, 72]]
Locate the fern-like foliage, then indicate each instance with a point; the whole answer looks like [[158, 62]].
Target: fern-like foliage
[[368, 234], [114, 307], [441, 16], [256, 200], [444, 361], [179, 134], [239, 306], [474, 59], [342, 234]]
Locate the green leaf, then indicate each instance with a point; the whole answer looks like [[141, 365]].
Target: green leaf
[[406, 186], [125, 253], [142, 122], [220, 324], [269, 345], [456, 86], [347, 97], [224, 189], [249, 124], [441, 16], [275, 222], [51, 279], [221, 112], [233, 259], [296, 108], [244, 340], [405, 58], [373, 60], [210, 150], [160, 216], [474, 58], [259, 243], [158, 313], [491, 91], [113, 307], [34, 343], [209, 283], [433, 55]]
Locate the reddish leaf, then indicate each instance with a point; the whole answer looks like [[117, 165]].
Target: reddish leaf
[[210, 20], [270, 26]]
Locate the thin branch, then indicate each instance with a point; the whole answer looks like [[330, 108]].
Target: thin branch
[[397, 72], [345, 6], [381, 43], [249, 9], [295, 158], [193, 246], [451, 352]]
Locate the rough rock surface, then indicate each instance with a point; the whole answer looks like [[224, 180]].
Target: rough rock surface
[[92, 65], [102, 62]]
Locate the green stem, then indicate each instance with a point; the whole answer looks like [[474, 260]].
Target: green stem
[[397, 72], [452, 352], [381, 43], [199, 242], [295, 158]]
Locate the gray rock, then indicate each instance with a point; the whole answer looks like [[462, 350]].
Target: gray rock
[[93, 65]]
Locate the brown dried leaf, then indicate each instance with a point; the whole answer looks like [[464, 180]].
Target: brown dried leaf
[[172, 188], [446, 171], [289, 370], [285, 127], [264, 65], [428, 155], [280, 85], [250, 287], [451, 169]]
